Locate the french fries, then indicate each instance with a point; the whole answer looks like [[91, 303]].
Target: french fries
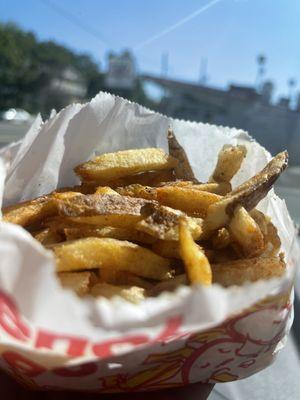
[[229, 162], [91, 253], [237, 272], [112, 166], [193, 202], [197, 266], [140, 219], [131, 235]]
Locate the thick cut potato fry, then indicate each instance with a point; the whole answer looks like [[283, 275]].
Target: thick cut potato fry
[[229, 162], [238, 272], [90, 253], [103, 210], [163, 222], [30, 212], [221, 239], [183, 169], [79, 282], [193, 202], [246, 233], [65, 195], [137, 190], [48, 236], [134, 294], [167, 248], [111, 166], [132, 235], [220, 188], [197, 266], [149, 178], [105, 190], [247, 195], [115, 277]]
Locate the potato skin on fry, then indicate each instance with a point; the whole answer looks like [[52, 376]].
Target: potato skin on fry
[[237, 272], [111, 166], [229, 162], [90, 253]]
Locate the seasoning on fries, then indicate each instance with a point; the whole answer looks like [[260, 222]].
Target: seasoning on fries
[[140, 223]]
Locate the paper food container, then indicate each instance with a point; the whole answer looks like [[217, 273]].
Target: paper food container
[[51, 339]]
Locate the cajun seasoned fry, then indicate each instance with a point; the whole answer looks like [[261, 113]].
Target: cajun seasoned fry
[[163, 222], [90, 253], [112, 166], [134, 294], [137, 190], [193, 202], [197, 266], [246, 233], [132, 235], [30, 212], [229, 162], [248, 194], [238, 272], [79, 282], [183, 169]]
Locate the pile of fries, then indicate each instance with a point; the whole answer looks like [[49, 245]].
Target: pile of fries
[[140, 223]]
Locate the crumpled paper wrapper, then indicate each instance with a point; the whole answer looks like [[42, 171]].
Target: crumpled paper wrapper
[[51, 339]]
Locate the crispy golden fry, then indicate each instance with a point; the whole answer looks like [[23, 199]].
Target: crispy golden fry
[[112, 166], [137, 190], [90, 253], [196, 263], [183, 169], [65, 195], [229, 162], [220, 188], [30, 212], [133, 294], [169, 285], [79, 282], [247, 195], [163, 222], [221, 239], [105, 190], [246, 233], [48, 236], [132, 235], [115, 277], [167, 248], [177, 182], [193, 202], [238, 272]]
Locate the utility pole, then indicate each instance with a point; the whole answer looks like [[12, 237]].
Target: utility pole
[[261, 71], [203, 72]]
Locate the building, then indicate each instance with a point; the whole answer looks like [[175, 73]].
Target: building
[[276, 126], [121, 72]]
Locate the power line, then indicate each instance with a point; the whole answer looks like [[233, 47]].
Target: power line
[[176, 25], [78, 22]]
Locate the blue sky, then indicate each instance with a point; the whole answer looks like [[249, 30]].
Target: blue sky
[[229, 34]]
